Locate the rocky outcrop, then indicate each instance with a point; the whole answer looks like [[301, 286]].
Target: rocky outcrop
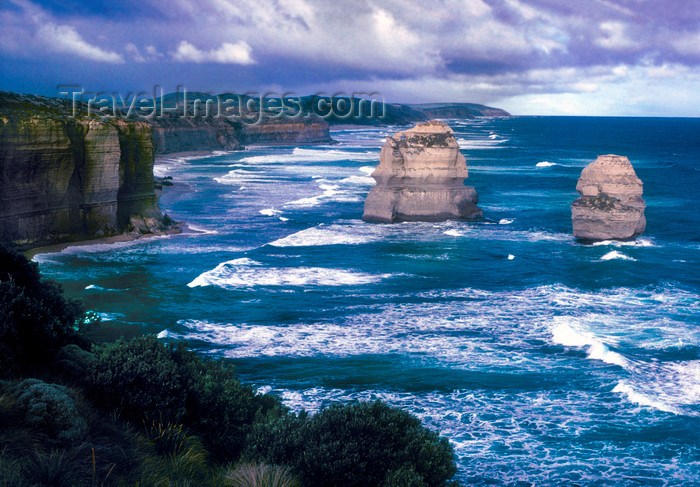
[[71, 178], [420, 177], [611, 205]]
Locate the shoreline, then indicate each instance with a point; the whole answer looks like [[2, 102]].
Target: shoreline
[[190, 154], [176, 229]]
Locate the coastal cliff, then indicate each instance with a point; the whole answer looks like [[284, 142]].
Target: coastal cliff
[[72, 178], [420, 177], [308, 130], [180, 134]]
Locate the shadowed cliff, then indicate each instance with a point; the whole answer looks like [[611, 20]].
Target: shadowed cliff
[[65, 178]]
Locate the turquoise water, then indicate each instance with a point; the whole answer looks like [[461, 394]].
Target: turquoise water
[[542, 360]]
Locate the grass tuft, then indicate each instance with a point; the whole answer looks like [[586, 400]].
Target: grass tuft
[[261, 475]]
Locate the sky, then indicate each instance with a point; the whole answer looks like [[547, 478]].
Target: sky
[[530, 57]]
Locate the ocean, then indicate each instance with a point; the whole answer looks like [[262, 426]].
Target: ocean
[[544, 361]]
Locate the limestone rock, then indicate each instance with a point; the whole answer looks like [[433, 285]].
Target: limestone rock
[[611, 205], [184, 134], [65, 178], [420, 177]]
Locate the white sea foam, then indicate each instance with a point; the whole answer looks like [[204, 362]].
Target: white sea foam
[[95, 287], [161, 170], [505, 221], [453, 233], [625, 388], [565, 334], [363, 180], [640, 242], [301, 155], [270, 212], [615, 255], [165, 164], [329, 191], [479, 143], [546, 164], [199, 229], [237, 177], [494, 329], [245, 273], [109, 316], [600, 351], [326, 235], [672, 387], [511, 257]]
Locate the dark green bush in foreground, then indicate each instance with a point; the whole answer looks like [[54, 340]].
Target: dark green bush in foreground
[[36, 320], [147, 380], [360, 444]]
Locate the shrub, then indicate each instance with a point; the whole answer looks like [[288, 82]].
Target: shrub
[[261, 475], [181, 459], [359, 444], [35, 318], [139, 379], [51, 409], [10, 471], [145, 379], [57, 468]]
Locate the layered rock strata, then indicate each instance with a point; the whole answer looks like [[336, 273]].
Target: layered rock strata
[[179, 134], [64, 178], [611, 205], [184, 134], [420, 177]]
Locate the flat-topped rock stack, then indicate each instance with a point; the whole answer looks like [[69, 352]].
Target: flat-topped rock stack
[[611, 205], [420, 177]]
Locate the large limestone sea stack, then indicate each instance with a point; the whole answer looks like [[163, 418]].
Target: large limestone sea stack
[[420, 177], [611, 205]]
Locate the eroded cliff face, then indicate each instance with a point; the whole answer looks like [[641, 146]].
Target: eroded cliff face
[[611, 205], [64, 179], [292, 131], [420, 177], [185, 134], [179, 134]]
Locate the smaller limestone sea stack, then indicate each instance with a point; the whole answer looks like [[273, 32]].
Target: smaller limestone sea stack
[[420, 177], [611, 205]]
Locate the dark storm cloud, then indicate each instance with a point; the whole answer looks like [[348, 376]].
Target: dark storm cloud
[[475, 50]]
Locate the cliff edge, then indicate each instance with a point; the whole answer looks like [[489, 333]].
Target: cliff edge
[[66, 178]]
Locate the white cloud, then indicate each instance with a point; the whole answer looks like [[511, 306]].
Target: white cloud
[[227, 53], [32, 30], [615, 36], [65, 39]]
